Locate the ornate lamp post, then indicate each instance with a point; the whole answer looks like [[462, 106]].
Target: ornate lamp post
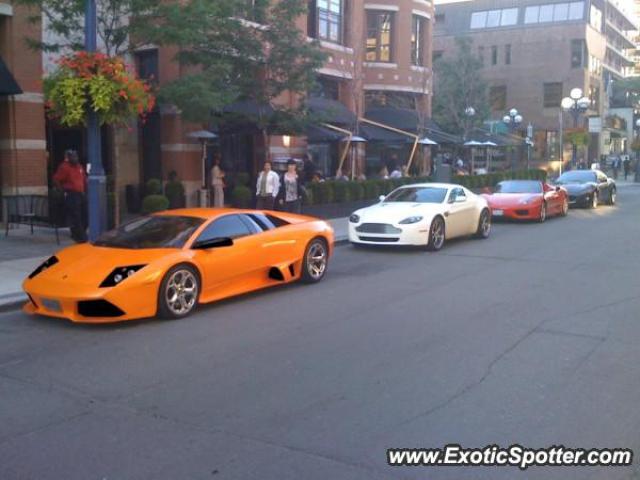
[[575, 104], [97, 184], [512, 119], [637, 140]]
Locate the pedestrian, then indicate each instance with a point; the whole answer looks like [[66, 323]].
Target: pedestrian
[[267, 187], [395, 173], [71, 178], [627, 167], [317, 177], [383, 174], [217, 182], [616, 166], [308, 167], [293, 190]]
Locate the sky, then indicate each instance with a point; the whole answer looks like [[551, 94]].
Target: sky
[[625, 4]]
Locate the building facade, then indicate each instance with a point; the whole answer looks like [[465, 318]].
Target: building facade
[[535, 52]]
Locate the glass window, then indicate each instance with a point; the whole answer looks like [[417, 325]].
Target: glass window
[[507, 54], [379, 36], [494, 55], [595, 18], [417, 40], [509, 17], [577, 53], [552, 94], [576, 10], [560, 12], [531, 14], [519, 186], [330, 20], [478, 19], [230, 226], [493, 18], [498, 98], [546, 13], [155, 231]]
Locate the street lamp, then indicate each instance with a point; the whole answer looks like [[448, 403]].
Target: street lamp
[[512, 120], [575, 104], [469, 113], [637, 169], [97, 183]]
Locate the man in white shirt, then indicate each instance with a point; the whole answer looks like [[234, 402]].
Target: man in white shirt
[[267, 187]]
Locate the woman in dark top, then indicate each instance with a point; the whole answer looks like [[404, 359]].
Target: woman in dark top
[[292, 191]]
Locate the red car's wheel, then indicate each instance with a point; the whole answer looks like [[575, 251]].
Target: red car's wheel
[[565, 207], [543, 212]]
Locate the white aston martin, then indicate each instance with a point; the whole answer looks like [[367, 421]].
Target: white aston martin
[[424, 214]]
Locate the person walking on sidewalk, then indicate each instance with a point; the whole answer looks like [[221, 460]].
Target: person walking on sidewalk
[[267, 187], [70, 177], [217, 182], [626, 165], [293, 191]]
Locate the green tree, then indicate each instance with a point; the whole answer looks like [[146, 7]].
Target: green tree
[[65, 24], [458, 85]]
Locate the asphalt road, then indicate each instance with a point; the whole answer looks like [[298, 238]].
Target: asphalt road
[[529, 337]]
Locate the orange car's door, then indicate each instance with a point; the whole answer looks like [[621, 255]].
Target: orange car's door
[[231, 269]]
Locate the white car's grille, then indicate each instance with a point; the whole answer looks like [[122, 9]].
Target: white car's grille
[[378, 228]]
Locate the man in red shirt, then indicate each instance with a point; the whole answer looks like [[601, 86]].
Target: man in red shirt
[[71, 178]]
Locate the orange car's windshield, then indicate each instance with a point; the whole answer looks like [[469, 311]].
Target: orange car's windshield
[[162, 231]]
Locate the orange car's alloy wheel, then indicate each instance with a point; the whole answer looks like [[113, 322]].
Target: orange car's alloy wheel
[[316, 259], [181, 292]]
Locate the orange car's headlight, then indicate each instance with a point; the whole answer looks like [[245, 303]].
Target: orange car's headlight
[[51, 261], [120, 274]]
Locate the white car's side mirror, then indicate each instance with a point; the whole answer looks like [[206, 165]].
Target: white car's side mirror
[[381, 198]]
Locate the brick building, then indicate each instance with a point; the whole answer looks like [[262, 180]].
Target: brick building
[[379, 60], [535, 51], [23, 154]]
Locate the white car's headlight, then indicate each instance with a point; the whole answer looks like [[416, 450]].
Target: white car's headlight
[[410, 220], [354, 218]]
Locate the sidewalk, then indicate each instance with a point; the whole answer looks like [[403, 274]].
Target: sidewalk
[[21, 253]]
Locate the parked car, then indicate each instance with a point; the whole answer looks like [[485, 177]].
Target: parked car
[[587, 188], [421, 214], [166, 263], [527, 200]]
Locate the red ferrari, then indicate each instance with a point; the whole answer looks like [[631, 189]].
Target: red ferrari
[[527, 200]]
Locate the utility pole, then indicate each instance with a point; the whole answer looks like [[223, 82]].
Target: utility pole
[[97, 184]]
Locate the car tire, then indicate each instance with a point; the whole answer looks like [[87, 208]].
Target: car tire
[[543, 213], [437, 234], [565, 208], [612, 196], [315, 261], [484, 224], [179, 292], [594, 200]]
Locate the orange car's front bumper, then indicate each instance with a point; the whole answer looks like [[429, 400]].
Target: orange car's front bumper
[[83, 304]]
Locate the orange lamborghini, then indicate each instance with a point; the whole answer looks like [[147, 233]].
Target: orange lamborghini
[[165, 264]]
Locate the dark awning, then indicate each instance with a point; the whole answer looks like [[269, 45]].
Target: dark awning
[[330, 111], [8, 84], [378, 134], [318, 134], [400, 118]]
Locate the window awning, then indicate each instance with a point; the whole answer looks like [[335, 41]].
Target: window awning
[[8, 84], [320, 134], [330, 111]]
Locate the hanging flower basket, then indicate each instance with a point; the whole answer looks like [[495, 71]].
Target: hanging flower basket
[[93, 81]]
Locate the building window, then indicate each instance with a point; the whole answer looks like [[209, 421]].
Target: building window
[[440, 18], [559, 12], [494, 18], [507, 54], [437, 55], [379, 98], [552, 94], [328, 20], [595, 65], [494, 55], [595, 18], [326, 87], [379, 36], [147, 62], [577, 53], [417, 40], [594, 96], [498, 98], [255, 10]]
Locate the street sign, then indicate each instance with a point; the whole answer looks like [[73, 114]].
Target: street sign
[[595, 124]]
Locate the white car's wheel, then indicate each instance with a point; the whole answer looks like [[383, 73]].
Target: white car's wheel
[[484, 225], [436, 235]]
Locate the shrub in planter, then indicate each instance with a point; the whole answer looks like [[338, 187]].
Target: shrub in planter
[[308, 196], [241, 178], [342, 192], [323, 193], [174, 191], [371, 189], [356, 191], [241, 196], [154, 203], [153, 187]]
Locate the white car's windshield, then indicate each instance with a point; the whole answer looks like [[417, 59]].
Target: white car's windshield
[[417, 195]]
